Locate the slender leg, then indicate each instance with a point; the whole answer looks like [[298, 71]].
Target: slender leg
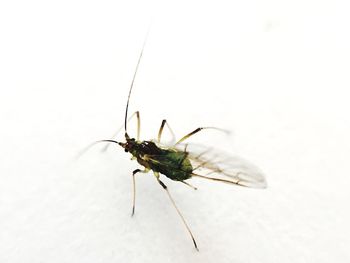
[[137, 113], [138, 125], [197, 130], [237, 181], [177, 209], [193, 187], [134, 187], [161, 131]]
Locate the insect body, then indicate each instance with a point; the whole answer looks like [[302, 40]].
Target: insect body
[[172, 163], [178, 164]]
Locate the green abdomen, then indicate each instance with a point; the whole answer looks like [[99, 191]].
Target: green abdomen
[[174, 165]]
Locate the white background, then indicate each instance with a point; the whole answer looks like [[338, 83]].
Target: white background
[[276, 73]]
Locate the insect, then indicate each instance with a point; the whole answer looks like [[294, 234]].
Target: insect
[[178, 163]]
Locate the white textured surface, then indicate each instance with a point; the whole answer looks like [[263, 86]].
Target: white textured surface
[[274, 72]]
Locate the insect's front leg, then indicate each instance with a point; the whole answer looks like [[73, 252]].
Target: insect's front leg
[[134, 187], [161, 131]]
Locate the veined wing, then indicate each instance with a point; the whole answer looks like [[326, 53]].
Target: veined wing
[[215, 165]]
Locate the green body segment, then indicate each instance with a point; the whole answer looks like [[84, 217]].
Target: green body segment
[[173, 164]]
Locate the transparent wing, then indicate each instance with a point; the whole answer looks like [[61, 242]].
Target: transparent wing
[[216, 165]]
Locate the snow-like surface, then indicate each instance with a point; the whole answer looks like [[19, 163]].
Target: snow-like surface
[[274, 72]]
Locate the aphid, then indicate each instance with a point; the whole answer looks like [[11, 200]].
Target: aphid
[[179, 164]]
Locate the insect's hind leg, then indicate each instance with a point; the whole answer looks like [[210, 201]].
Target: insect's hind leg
[[193, 187], [198, 130], [134, 187], [161, 131], [177, 209]]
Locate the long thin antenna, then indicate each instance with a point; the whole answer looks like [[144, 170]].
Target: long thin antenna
[[132, 84], [83, 151]]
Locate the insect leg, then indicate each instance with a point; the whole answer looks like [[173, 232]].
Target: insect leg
[[134, 187], [161, 131], [237, 181], [197, 130], [193, 187], [177, 209], [137, 113]]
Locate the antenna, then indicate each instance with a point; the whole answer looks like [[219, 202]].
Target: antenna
[[132, 84]]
